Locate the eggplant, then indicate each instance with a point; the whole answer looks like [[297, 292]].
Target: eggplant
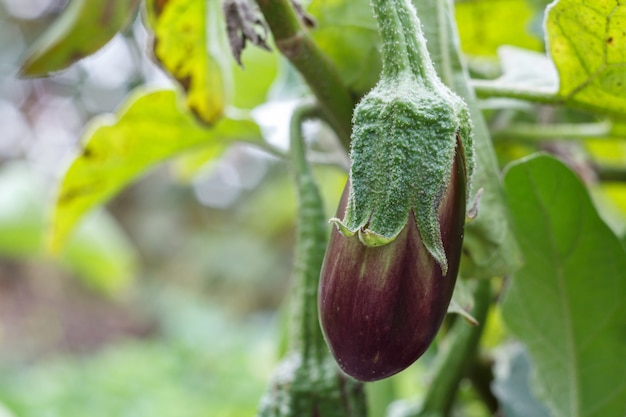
[[380, 307]]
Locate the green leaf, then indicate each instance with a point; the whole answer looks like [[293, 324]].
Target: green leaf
[[188, 43], [84, 27], [482, 30], [148, 129], [587, 42], [567, 302], [346, 31]]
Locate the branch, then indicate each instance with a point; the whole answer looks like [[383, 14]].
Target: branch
[[608, 173], [489, 88], [532, 132], [480, 375], [294, 42]]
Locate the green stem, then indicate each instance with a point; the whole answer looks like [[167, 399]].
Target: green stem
[[480, 375], [293, 40], [305, 334], [534, 132], [404, 45], [608, 173], [495, 88], [488, 89], [455, 359]]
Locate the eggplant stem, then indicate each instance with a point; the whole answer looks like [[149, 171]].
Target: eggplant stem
[[311, 238]]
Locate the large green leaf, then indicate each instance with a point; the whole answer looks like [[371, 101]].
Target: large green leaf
[[587, 42], [347, 32], [148, 129], [567, 302], [188, 42], [483, 29], [84, 27]]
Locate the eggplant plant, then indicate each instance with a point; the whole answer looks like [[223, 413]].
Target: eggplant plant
[[390, 272], [471, 137]]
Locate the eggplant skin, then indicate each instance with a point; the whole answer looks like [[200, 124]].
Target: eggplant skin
[[381, 307]]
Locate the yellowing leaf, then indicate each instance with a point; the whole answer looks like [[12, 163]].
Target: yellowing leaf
[[187, 35], [587, 42], [84, 27], [485, 25], [148, 129]]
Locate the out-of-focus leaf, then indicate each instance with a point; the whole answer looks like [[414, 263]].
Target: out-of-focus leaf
[[527, 68], [100, 254], [485, 25], [148, 129], [587, 42], [512, 384], [5, 412], [84, 27], [190, 164], [205, 361], [462, 301], [252, 81], [188, 42], [21, 212], [347, 33], [567, 302]]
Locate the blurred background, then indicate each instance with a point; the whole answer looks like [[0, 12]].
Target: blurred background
[[166, 302]]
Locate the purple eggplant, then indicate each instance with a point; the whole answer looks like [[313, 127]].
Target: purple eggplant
[[381, 307]]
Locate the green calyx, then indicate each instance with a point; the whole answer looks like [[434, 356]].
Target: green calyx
[[405, 135]]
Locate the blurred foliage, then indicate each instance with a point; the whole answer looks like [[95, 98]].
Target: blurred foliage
[[201, 250], [83, 28], [347, 32], [99, 253], [482, 28], [185, 372], [116, 151]]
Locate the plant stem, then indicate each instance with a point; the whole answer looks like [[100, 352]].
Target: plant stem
[[293, 40], [533, 132], [404, 49], [480, 375], [305, 334], [608, 173], [487, 89], [455, 359]]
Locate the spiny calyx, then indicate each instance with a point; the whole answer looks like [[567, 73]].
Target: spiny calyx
[[406, 133]]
